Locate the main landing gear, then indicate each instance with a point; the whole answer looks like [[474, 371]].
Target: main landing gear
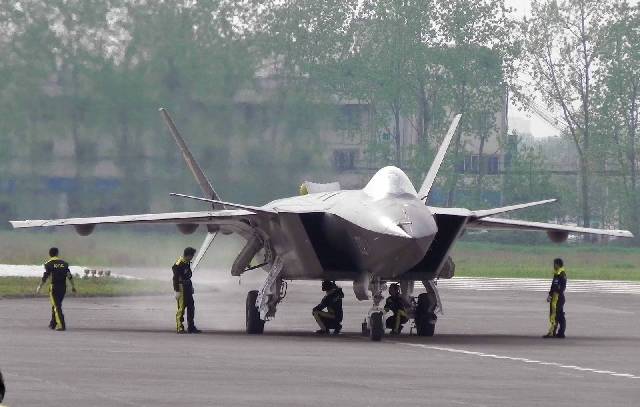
[[262, 304], [421, 310]]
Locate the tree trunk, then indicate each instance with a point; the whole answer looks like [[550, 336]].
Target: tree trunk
[[481, 168], [454, 177], [633, 163], [456, 149], [423, 113], [584, 191], [396, 116]]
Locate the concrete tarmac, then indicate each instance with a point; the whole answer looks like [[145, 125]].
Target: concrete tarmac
[[487, 351]]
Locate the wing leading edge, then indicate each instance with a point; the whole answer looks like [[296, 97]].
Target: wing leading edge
[[512, 224], [208, 217], [484, 220]]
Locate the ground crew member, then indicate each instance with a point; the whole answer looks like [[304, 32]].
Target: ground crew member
[[332, 302], [184, 291], [304, 190], [396, 304], [557, 322], [58, 270]]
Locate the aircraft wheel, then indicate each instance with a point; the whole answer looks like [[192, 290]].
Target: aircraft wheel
[[425, 328], [255, 325], [376, 327], [425, 317]]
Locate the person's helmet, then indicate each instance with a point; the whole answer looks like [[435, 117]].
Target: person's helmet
[[394, 289], [327, 285]]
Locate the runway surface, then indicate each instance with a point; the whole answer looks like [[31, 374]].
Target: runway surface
[[487, 352]]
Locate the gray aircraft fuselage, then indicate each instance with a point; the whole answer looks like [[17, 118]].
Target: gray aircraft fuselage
[[383, 229]]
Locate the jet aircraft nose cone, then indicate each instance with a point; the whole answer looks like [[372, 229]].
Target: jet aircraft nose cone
[[392, 227]]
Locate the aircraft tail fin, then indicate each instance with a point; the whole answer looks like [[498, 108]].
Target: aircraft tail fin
[[201, 178], [437, 161]]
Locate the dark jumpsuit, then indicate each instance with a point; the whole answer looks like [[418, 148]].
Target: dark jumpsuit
[[332, 317], [182, 284], [58, 270], [395, 304], [556, 306]]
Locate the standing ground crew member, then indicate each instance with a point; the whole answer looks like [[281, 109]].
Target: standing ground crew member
[[556, 301], [332, 301], [184, 291], [396, 304], [58, 270]]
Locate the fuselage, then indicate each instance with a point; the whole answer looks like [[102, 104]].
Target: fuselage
[[383, 229]]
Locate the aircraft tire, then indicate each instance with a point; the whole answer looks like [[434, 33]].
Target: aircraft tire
[[255, 325], [376, 327], [425, 317], [425, 328]]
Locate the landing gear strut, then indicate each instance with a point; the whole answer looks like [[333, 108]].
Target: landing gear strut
[[261, 305], [374, 324]]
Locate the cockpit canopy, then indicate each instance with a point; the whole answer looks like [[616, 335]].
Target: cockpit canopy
[[389, 181]]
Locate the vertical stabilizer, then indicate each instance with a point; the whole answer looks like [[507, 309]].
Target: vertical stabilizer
[[197, 172], [201, 178], [437, 161]]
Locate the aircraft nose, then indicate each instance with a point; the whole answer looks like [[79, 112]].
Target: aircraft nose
[[417, 222], [407, 221], [392, 227]]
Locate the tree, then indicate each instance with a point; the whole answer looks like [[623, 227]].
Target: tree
[[562, 39], [483, 47], [618, 106]]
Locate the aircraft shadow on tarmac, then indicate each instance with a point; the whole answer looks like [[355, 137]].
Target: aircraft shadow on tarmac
[[438, 340]]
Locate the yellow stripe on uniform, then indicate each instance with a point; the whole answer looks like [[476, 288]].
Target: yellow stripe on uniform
[[56, 310], [401, 313], [553, 314], [318, 315], [180, 312]]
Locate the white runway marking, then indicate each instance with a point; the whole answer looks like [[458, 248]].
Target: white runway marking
[[526, 284], [539, 284], [524, 360]]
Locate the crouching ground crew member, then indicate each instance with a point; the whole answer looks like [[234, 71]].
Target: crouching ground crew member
[[184, 291], [557, 322], [395, 303], [58, 270], [332, 302]]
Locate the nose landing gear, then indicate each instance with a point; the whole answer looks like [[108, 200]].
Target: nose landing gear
[[373, 325]]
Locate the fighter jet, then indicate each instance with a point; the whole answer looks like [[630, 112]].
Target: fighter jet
[[381, 233]]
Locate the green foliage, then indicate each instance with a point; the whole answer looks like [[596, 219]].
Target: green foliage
[[254, 86], [524, 182], [15, 287], [583, 261]]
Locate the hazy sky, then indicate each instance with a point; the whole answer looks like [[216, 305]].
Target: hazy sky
[[518, 119]]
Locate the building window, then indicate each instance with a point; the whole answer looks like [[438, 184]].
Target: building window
[[493, 165], [471, 164], [475, 164], [344, 160], [349, 117]]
